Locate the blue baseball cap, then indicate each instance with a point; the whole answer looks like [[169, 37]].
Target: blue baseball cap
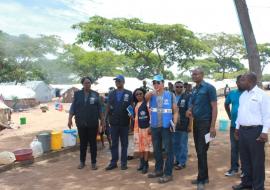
[[158, 78], [120, 77]]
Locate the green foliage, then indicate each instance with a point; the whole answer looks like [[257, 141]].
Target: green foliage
[[226, 50], [229, 75], [266, 77], [209, 65], [170, 43], [19, 56], [264, 52], [95, 63]]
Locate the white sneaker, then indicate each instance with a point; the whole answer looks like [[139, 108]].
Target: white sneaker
[[231, 173]]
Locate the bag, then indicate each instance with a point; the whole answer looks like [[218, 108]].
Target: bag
[[7, 157]]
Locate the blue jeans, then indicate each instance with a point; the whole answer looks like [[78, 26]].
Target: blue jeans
[[122, 133], [180, 146], [162, 135], [234, 151]]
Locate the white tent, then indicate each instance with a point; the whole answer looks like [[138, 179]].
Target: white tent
[[18, 97], [9, 92], [103, 84], [43, 91]]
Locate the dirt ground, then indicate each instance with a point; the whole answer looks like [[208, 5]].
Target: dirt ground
[[61, 172]]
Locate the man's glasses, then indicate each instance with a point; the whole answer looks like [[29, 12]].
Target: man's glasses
[[156, 82]]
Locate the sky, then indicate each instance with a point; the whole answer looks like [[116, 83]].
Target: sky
[[55, 17]]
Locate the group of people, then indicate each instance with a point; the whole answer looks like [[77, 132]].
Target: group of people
[[162, 118]]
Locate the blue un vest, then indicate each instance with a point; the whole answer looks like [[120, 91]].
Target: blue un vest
[[143, 116], [166, 110]]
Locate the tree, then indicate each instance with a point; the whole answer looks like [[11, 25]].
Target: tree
[[209, 66], [20, 56], [249, 37], [226, 50], [95, 63], [264, 52], [134, 38]]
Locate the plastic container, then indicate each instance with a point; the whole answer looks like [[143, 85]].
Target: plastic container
[[23, 120], [7, 157], [23, 154], [45, 139], [69, 137], [223, 124], [56, 140], [36, 147]]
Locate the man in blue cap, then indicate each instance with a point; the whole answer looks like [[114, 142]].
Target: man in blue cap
[[164, 112], [116, 111]]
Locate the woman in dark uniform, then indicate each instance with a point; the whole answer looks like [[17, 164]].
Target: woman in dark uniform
[[87, 111]]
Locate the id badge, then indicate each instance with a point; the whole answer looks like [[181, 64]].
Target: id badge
[[92, 100]]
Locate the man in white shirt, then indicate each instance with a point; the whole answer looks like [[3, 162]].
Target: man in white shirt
[[252, 125]]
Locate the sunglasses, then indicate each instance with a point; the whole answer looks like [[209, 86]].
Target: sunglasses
[[156, 82], [138, 94], [178, 86]]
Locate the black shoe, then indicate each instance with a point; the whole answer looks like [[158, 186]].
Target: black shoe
[[196, 182], [155, 174], [130, 157], [124, 167], [145, 167], [141, 164], [241, 187], [110, 167], [94, 166], [81, 165]]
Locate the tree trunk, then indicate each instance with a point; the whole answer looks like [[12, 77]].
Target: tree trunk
[[223, 73], [249, 37]]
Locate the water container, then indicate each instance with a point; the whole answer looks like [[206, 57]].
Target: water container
[[223, 124], [69, 137], [56, 140], [45, 139], [36, 147], [23, 120]]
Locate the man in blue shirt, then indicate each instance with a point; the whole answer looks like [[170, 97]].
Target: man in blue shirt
[[233, 99], [203, 108]]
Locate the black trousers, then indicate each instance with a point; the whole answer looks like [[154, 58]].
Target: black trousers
[[88, 134], [200, 129], [252, 157]]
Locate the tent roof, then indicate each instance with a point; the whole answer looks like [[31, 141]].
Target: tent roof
[[103, 84], [3, 105], [34, 84], [21, 92]]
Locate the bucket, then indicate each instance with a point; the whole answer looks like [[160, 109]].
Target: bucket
[[223, 124], [69, 137], [45, 139], [23, 120], [23, 154], [56, 140]]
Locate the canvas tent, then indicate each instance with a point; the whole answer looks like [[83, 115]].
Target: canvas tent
[[43, 91], [5, 113], [18, 97], [103, 84]]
